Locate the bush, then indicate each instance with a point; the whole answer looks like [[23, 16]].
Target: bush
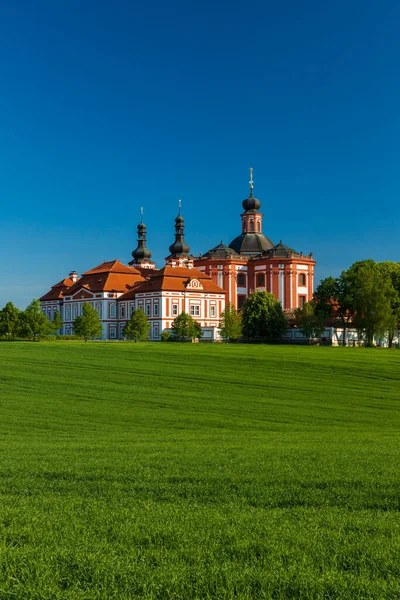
[[166, 336]]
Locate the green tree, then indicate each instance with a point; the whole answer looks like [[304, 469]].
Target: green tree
[[137, 328], [33, 323], [231, 323], [310, 321], [9, 321], [184, 328], [57, 323], [263, 317], [391, 270], [88, 325], [373, 296], [336, 296]]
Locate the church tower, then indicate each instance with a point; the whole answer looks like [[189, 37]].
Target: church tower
[[179, 256], [142, 255]]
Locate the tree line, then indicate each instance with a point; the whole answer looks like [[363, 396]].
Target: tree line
[[366, 297]]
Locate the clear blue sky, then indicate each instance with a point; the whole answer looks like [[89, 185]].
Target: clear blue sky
[[108, 106]]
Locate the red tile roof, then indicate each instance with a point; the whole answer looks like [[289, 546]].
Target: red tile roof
[[112, 276], [58, 290], [174, 279]]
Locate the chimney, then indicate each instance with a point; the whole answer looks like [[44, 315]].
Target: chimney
[[73, 276]]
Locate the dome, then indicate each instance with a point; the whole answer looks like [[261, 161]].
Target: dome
[[220, 251], [251, 243], [179, 248], [141, 253], [251, 203]]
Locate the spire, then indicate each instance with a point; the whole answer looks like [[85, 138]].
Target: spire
[[251, 182], [141, 255], [179, 249]]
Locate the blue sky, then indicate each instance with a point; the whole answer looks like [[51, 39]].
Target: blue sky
[[106, 107]]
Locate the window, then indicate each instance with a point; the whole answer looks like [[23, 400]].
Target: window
[[251, 226], [155, 309], [302, 279], [112, 310], [98, 308], [132, 308], [174, 310], [122, 311], [68, 313], [113, 333], [212, 311], [241, 299], [241, 280], [148, 310], [259, 227], [195, 310], [155, 332], [302, 301], [75, 311], [260, 280], [221, 279]]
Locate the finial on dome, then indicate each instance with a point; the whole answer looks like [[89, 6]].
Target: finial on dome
[[251, 182], [141, 214], [179, 206]]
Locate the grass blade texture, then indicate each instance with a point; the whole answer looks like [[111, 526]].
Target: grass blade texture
[[189, 471]]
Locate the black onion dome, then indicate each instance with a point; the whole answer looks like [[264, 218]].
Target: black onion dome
[[251, 203], [179, 248], [251, 243], [141, 253]]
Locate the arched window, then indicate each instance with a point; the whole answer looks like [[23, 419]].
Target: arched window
[[260, 280], [251, 226], [98, 308], [75, 311], [302, 279], [68, 312], [259, 227], [112, 310]]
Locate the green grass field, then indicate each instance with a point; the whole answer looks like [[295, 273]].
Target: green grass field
[[169, 471]]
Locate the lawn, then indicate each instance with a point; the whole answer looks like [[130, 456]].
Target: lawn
[[187, 471]]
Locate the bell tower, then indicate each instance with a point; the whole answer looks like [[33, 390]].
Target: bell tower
[[251, 218]]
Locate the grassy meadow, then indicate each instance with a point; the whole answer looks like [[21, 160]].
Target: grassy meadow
[[189, 471]]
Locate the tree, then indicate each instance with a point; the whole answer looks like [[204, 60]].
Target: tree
[[231, 323], [391, 270], [310, 320], [137, 328], [337, 296], [33, 324], [373, 296], [184, 327], [9, 321], [88, 325], [263, 317], [57, 322]]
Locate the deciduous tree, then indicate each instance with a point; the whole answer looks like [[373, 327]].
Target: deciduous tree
[[9, 321], [231, 323], [57, 322], [184, 328], [263, 317], [88, 325], [137, 328], [33, 323], [311, 322], [373, 296]]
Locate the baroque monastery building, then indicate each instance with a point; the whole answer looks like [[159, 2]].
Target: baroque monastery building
[[199, 285]]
